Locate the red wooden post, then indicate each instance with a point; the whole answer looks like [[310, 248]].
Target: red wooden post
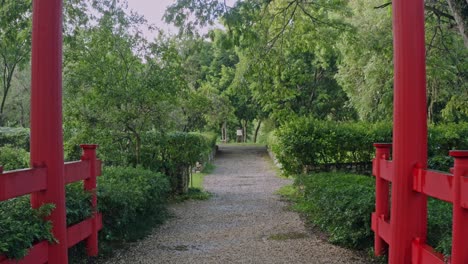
[[382, 188], [460, 214], [46, 117], [89, 154], [408, 212]]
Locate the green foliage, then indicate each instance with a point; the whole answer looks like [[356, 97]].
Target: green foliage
[[341, 205], [16, 137], [13, 158], [304, 142], [78, 203], [21, 226], [175, 154], [15, 44], [130, 199]]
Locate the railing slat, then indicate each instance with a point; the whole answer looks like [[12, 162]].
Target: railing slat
[[38, 254], [381, 227], [76, 171], [464, 193], [98, 167], [386, 170], [424, 254], [21, 182], [434, 183], [79, 232]]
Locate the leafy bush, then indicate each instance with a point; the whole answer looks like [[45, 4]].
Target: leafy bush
[[175, 154], [341, 205], [12, 158], [21, 226], [16, 137], [305, 142], [78, 203], [129, 198]]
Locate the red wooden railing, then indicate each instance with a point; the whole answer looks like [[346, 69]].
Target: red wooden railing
[[449, 187], [29, 181]]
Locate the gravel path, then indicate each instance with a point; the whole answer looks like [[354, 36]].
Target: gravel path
[[244, 222]]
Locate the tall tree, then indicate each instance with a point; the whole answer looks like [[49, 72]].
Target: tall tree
[[15, 43]]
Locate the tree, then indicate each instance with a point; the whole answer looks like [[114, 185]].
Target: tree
[[15, 43], [118, 86]]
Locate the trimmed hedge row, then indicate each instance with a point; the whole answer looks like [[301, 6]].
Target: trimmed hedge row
[[17, 137], [132, 199], [176, 154], [305, 142], [341, 205]]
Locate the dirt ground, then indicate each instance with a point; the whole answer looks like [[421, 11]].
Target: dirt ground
[[244, 222]]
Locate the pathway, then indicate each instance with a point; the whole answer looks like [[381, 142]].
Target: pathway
[[244, 222]]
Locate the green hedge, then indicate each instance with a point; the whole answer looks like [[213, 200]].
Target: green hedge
[[17, 137], [306, 141], [129, 199], [12, 158], [21, 226], [175, 154], [341, 205], [132, 201]]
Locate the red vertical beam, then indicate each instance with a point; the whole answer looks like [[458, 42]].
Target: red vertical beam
[[460, 214], [46, 117], [409, 208], [382, 189], [89, 153]]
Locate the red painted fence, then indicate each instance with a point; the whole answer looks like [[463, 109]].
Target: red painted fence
[[30, 181], [448, 187]]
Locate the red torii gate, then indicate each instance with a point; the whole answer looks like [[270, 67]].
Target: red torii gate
[[404, 226], [46, 179], [411, 182]]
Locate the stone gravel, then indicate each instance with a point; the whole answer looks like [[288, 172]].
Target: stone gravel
[[244, 222]]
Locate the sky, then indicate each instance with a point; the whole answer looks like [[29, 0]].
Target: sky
[[153, 11]]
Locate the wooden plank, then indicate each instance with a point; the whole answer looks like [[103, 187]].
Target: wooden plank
[[21, 182], [81, 231], [38, 254], [434, 183], [381, 227], [386, 170], [76, 171], [424, 254], [98, 167]]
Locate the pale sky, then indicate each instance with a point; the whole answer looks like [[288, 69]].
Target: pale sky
[[153, 11]]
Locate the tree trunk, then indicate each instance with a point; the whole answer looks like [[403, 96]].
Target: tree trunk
[[460, 13], [244, 131], [256, 130], [223, 133]]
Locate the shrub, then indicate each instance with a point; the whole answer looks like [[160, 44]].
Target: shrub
[[341, 205], [129, 198], [21, 226], [16, 137], [12, 158], [307, 142], [175, 154]]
